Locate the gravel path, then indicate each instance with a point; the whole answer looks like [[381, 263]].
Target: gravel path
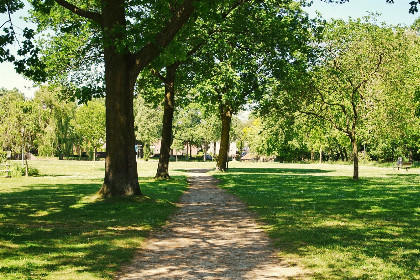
[[212, 236]]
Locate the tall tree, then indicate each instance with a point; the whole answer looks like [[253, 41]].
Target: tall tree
[[57, 136], [174, 76], [89, 123], [20, 123], [127, 36], [356, 55], [240, 62]]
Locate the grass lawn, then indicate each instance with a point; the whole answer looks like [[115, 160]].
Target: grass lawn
[[338, 228], [52, 227]]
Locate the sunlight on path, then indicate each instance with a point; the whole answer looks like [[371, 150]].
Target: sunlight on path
[[212, 236]]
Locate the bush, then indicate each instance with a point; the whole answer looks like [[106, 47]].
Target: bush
[[19, 170], [3, 156]]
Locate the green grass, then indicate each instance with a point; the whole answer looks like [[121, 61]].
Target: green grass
[[336, 227], [53, 227]]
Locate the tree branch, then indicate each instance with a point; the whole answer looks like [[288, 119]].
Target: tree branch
[[152, 49], [376, 68], [83, 13], [157, 74]]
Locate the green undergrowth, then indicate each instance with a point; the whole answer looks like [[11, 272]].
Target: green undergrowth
[[336, 227], [54, 227]]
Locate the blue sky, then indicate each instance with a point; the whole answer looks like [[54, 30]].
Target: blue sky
[[392, 14]]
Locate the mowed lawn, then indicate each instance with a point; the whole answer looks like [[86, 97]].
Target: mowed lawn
[[53, 227], [336, 227]]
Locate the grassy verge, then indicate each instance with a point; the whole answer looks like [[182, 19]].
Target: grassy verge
[[52, 227], [338, 228]]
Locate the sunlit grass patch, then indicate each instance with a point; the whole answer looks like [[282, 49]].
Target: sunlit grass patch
[[54, 226], [337, 227]]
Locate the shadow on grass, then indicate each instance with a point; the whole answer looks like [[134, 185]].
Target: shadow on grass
[[49, 228], [373, 220], [277, 170]]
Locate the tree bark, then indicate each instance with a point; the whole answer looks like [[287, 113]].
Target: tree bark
[[205, 151], [226, 117], [346, 157], [320, 155], [214, 150], [168, 115], [355, 158], [121, 178]]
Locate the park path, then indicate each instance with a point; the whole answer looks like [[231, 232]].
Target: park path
[[211, 236]]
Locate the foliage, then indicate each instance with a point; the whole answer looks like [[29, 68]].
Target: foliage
[[187, 123], [19, 170], [57, 134], [89, 124], [338, 228], [356, 82], [147, 121], [20, 122]]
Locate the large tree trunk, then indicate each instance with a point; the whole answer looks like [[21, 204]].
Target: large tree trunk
[[226, 117], [121, 178], [168, 115], [355, 158]]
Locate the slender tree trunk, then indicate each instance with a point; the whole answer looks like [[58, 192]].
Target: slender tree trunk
[[355, 158], [121, 178], [168, 115], [214, 150], [205, 151], [226, 117], [346, 157], [320, 155], [187, 157]]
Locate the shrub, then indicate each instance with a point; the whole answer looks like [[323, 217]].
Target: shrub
[[19, 170]]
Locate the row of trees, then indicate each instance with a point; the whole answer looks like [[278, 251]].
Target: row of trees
[[49, 126], [222, 54], [364, 87]]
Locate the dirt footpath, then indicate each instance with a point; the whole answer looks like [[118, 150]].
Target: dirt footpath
[[212, 236]]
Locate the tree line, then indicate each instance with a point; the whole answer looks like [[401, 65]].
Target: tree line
[[50, 126]]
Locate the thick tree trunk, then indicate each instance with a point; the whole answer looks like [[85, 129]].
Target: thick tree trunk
[[355, 158], [226, 117], [168, 115], [121, 178]]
